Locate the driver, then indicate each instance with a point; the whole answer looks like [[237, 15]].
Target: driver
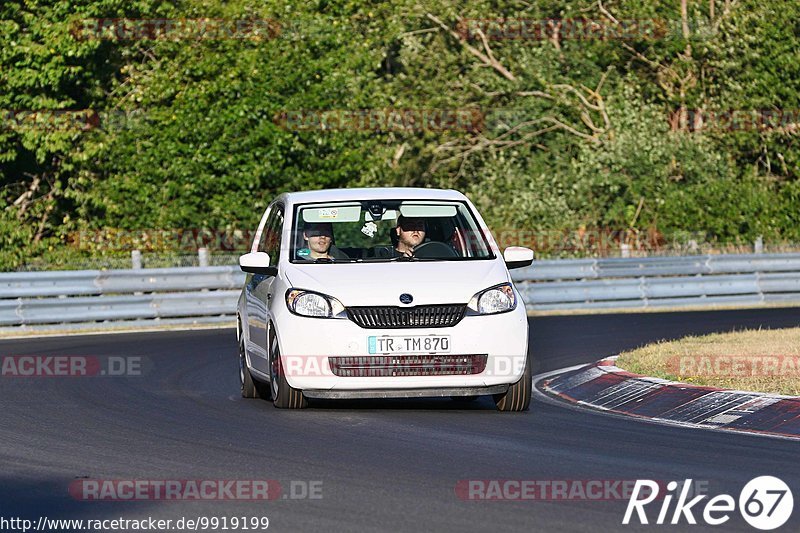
[[410, 234], [318, 237]]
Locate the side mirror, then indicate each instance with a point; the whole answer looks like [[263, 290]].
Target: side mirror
[[257, 263], [517, 257]]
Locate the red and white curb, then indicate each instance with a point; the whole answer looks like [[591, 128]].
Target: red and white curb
[[604, 386]]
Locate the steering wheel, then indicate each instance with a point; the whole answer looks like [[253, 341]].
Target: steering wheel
[[434, 249]]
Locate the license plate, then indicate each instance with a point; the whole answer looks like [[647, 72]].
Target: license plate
[[410, 344]]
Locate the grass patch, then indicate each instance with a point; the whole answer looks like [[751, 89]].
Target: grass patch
[[751, 360]]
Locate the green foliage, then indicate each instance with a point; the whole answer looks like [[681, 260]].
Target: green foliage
[[190, 133]]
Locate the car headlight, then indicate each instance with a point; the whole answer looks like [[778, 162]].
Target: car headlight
[[497, 299], [313, 304]]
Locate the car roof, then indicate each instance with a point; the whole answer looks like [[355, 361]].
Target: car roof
[[371, 193]]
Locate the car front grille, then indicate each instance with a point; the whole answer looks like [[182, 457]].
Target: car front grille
[[422, 316], [407, 365]]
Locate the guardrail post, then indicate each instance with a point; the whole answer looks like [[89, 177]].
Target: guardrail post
[[202, 256], [758, 246], [136, 259]]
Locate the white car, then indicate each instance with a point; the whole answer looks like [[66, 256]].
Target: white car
[[381, 293]]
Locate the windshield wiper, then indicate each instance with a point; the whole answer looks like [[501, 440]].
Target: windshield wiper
[[415, 258], [390, 259]]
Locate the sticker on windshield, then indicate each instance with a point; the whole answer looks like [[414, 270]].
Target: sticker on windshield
[[328, 213], [369, 229], [303, 252]]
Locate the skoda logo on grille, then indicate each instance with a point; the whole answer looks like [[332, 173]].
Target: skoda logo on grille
[[406, 298]]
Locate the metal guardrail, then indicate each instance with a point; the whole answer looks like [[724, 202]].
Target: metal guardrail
[[660, 281], [209, 294], [29, 298]]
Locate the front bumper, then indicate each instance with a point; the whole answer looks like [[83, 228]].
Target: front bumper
[[338, 394], [307, 343]]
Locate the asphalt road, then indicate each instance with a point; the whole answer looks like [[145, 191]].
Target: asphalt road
[[383, 465]]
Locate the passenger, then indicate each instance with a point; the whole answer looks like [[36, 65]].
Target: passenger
[[410, 234]]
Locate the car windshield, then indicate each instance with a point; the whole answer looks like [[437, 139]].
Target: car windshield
[[387, 230]]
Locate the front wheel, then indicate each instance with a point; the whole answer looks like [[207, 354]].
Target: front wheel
[[245, 379], [518, 395], [284, 396], [251, 388]]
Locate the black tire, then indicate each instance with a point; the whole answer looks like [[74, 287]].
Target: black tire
[[284, 396], [518, 395], [263, 389], [248, 386]]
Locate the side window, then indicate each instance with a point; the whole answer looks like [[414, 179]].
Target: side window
[[262, 239], [272, 234]]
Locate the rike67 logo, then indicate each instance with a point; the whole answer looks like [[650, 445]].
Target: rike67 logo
[[765, 503]]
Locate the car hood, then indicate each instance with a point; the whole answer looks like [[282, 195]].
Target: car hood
[[440, 282]]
